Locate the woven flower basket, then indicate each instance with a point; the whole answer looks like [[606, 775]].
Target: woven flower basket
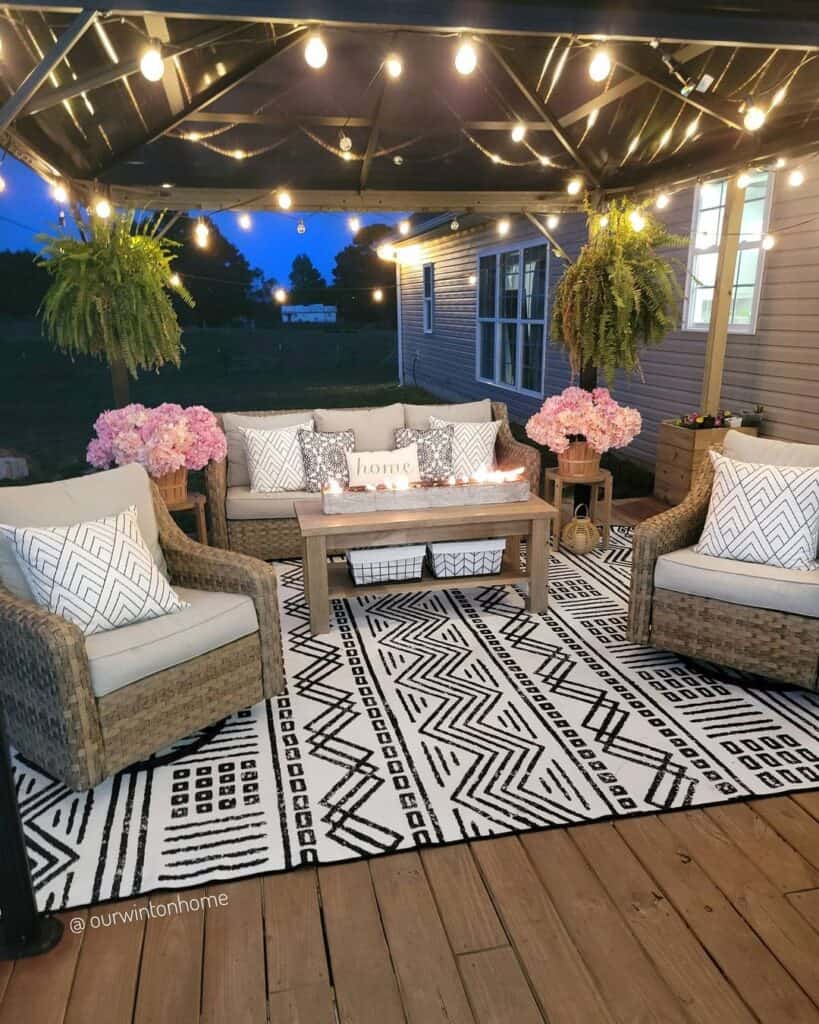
[[580, 535], [173, 486], [579, 462]]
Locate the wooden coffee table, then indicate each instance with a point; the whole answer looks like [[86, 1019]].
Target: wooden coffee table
[[323, 535]]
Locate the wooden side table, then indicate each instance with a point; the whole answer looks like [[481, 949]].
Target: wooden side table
[[195, 503], [601, 485]]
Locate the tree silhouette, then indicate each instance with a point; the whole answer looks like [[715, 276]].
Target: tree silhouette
[[358, 272], [306, 282]]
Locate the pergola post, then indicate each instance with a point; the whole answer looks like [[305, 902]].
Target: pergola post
[[721, 306]]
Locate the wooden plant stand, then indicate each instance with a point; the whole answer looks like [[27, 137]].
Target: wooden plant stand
[[195, 503], [679, 454], [601, 486]]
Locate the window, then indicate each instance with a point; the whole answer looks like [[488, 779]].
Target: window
[[512, 317], [709, 214], [429, 298]]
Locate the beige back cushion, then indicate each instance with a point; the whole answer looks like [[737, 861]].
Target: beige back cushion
[[467, 412], [746, 448], [66, 502], [374, 428], [238, 474]]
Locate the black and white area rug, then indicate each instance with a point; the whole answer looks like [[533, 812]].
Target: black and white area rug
[[428, 718]]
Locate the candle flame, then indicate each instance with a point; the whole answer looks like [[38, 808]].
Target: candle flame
[[333, 486]]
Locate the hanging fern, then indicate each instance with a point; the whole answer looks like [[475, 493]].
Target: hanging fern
[[620, 294], [110, 293]]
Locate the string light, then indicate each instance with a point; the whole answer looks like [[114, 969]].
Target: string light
[[780, 162], [354, 224], [174, 280], [201, 234], [102, 209], [151, 63], [378, 295], [397, 159], [245, 221], [796, 178], [60, 193], [280, 295], [315, 52], [466, 60], [754, 118], [519, 133], [591, 120], [545, 161], [193, 136], [600, 65], [574, 186], [347, 157], [604, 221], [768, 242], [345, 143], [743, 179], [637, 220], [662, 200], [2, 184], [284, 199], [495, 158], [301, 227], [393, 65], [472, 280], [385, 252], [503, 226], [239, 154], [552, 221], [665, 138], [454, 224], [403, 227]]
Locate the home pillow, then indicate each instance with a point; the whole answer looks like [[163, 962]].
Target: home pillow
[[473, 445], [763, 514], [99, 575], [325, 457], [274, 458], [434, 450], [382, 467]]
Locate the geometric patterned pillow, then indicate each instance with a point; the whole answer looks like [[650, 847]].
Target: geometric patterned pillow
[[763, 514], [274, 458], [98, 575], [434, 450], [325, 457], [473, 445]]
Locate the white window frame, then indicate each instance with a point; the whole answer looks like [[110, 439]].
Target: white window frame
[[496, 251], [693, 252], [428, 300]]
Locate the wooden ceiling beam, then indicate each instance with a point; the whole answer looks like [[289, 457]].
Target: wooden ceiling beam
[[157, 28], [375, 127]]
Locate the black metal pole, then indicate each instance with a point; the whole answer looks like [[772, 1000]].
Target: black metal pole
[[23, 931]]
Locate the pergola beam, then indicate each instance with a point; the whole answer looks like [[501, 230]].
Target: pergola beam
[[556, 246], [328, 121], [372, 140]]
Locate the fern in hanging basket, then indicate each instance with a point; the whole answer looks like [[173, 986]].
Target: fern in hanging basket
[[110, 293], [620, 294]]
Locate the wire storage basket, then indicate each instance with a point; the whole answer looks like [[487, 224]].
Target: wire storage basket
[[386, 565], [466, 557]]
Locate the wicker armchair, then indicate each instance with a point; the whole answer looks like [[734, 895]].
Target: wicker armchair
[[280, 538], [56, 720], [780, 645]]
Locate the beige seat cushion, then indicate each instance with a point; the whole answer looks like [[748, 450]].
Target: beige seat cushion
[[374, 428], [238, 474], [769, 452], [466, 412], [723, 579], [67, 502], [125, 655], [242, 503]]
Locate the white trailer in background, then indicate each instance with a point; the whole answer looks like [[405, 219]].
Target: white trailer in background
[[312, 314]]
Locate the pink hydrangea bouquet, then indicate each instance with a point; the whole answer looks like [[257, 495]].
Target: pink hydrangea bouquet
[[164, 439], [576, 415]]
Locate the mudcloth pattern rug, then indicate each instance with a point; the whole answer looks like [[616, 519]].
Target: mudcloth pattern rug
[[428, 718]]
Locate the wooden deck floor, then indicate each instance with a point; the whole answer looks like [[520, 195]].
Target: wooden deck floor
[[697, 917]]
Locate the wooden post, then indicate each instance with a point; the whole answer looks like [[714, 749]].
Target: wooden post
[[723, 294]]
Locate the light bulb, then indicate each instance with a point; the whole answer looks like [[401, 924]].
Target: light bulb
[[347, 156], [662, 200], [385, 252], [454, 224], [315, 52], [472, 280], [60, 193], [404, 227], [201, 234], [174, 280], [301, 227], [552, 221], [284, 199], [604, 221], [591, 120], [466, 60], [280, 295], [193, 136], [743, 179], [519, 133], [754, 118], [495, 158], [637, 220], [345, 143], [574, 186], [796, 178], [600, 65], [354, 224], [151, 64], [102, 209], [378, 295], [780, 162], [503, 226], [545, 161], [245, 221], [768, 242], [393, 65], [239, 154]]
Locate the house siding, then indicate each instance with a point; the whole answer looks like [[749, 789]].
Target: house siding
[[777, 366]]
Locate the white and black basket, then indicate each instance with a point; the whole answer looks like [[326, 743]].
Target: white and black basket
[[466, 557], [386, 565]]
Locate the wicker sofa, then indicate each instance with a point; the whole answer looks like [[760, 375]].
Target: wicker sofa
[[264, 525], [747, 616], [84, 707]]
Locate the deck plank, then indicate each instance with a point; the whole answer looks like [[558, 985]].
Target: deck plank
[[365, 984], [793, 823], [466, 909], [497, 987], [6, 967], [808, 802], [39, 988], [560, 979], [233, 973], [170, 979], [678, 956], [807, 903], [307, 1004], [739, 952], [430, 985], [627, 978]]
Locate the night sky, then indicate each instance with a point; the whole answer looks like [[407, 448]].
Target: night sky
[[26, 208]]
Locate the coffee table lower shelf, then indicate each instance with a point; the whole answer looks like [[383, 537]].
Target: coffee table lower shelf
[[339, 583]]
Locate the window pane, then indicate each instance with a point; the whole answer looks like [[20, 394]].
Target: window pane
[[532, 357], [427, 280], [743, 306], [753, 217], [534, 283], [486, 283], [509, 353], [705, 270], [510, 275], [709, 225], [712, 193], [746, 266], [701, 301], [757, 189], [487, 351]]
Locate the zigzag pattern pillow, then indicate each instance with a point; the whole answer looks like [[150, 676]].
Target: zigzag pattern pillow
[[763, 514], [473, 445], [98, 575], [274, 458]]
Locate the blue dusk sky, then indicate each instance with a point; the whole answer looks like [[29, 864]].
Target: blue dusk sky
[[26, 208]]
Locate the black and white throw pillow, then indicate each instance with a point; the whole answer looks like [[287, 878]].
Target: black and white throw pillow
[[434, 449], [99, 575], [325, 457], [473, 445], [274, 458], [760, 513]]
